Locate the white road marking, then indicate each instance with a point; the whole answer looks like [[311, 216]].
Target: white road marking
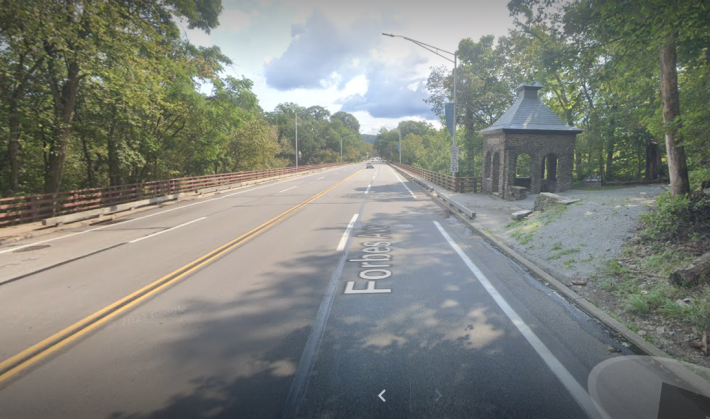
[[403, 184], [165, 231], [368, 189], [288, 189], [567, 380], [346, 234], [323, 177], [12, 249]]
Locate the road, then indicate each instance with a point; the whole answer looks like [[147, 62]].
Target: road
[[345, 293]]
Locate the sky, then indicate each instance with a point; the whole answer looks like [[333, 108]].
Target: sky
[[332, 53]]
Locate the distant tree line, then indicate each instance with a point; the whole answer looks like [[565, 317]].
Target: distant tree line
[[97, 93]]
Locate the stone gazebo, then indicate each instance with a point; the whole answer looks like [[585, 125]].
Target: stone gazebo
[[528, 127]]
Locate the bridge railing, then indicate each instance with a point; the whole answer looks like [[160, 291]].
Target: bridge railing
[[452, 183], [31, 208]]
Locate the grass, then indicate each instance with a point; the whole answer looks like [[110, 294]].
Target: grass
[[640, 279], [525, 230], [666, 262], [569, 262], [636, 303]]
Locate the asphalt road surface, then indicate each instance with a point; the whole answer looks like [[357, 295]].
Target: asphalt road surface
[[342, 294]]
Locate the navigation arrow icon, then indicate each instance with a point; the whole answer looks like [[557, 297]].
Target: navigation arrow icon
[[380, 395], [437, 392]]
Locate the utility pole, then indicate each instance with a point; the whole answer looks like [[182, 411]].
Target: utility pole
[[296, 140]]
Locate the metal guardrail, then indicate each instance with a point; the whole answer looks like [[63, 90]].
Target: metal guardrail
[[31, 208], [456, 184]]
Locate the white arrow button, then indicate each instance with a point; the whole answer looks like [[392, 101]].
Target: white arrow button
[[380, 395]]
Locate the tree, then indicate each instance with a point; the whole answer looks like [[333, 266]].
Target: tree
[[348, 120], [73, 48], [485, 85], [625, 24]]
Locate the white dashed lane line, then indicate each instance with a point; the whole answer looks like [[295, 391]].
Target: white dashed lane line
[[165, 231], [12, 249], [346, 234]]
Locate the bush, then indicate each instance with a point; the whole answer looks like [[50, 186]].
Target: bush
[[676, 219]]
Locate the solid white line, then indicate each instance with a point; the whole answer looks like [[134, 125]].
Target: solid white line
[[288, 189], [12, 249], [368, 189], [567, 380], [403, 184], [165, 231], [346, 234]]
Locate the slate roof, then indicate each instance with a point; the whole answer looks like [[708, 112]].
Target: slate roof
[[529, 114]]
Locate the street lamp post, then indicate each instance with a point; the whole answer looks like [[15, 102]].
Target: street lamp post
[[400, 145], [436, 51], [296, 140]]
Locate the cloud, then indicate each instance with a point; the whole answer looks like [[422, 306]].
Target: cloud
[[297, 29], [234, 20], [321, 53], [393, 92]]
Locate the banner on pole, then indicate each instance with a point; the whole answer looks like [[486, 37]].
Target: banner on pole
[[449, 113]]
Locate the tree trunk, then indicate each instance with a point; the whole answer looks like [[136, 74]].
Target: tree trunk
[[64, 102], [14, 120], [653, 159], [696, 274], [609, 159], [677, 165], [89, 163], [13, 149], [113, 166]]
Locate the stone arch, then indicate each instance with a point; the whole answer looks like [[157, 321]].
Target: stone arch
[[549, 171], [496, 172], [487, 165], [523, 170]]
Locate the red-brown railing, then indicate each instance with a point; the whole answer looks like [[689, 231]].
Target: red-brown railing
[[456, 184], [30, 208]]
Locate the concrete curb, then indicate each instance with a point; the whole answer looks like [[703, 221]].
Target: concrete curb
[[557, 285], [101, 212], [41, 230]]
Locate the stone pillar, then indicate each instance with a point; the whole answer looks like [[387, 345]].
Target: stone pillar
[[535, 173]]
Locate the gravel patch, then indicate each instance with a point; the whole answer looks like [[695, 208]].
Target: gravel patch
[[571, 243]]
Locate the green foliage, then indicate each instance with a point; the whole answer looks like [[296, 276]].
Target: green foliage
[[677, 219], [108, 93], [598, 61], [636, 303]]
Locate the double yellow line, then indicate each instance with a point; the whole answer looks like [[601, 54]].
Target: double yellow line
[[54, 343]]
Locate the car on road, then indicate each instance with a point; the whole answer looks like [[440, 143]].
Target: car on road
[[369, 165]]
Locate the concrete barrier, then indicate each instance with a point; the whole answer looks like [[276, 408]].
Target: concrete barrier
[[78, 216]]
